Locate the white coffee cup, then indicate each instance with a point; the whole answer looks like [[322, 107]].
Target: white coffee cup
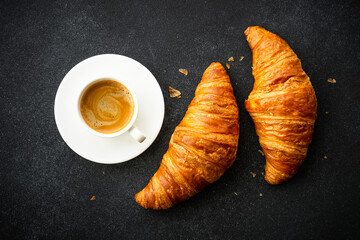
[[134, 132]]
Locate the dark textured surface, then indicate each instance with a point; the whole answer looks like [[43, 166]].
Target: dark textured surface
[[46, 188]]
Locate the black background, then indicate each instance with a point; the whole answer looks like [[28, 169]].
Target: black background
[[46, 187]]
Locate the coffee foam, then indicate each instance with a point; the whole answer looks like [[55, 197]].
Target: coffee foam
[[107, 106]]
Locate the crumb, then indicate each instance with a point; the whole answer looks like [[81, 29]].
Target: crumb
[[241, 58], [231, 59], [235, 193], [174, 93], [326, 112], [325, 157], [228, 66], [261, 152], [331, 80], [253, 174], [260, 195], [184, 71], [164, 70], [103, 172], [93, 198], [262, 173]]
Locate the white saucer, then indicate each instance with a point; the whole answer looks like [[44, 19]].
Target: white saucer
[[117, 149]]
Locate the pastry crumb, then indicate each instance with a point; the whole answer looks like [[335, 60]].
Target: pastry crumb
[[235, 193], [174, 93], [331, 80], [253, 174], [262, 173], [164, 70], [103, 172], [326, 112], [325, 157], [184, 71], [260, 195], [228, 66], [261, 152], [241, 58], [93, 198], [231, 59]]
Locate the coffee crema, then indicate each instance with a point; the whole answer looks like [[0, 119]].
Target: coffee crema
[[107, 106]]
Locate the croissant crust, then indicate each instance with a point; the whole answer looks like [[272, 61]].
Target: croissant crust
[[282, 104], [202, 146]]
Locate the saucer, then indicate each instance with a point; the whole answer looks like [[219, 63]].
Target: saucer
[[116, 149]]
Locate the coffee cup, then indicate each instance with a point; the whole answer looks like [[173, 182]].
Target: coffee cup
[[108, 108]]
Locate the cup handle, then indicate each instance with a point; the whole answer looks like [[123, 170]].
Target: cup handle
[[137, 134]]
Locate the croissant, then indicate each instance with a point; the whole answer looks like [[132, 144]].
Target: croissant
[[202, 146], [282, 104]]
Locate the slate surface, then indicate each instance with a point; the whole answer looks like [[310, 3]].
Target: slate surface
[[46, 187]]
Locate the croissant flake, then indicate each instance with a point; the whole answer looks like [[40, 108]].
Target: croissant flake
[[184, 71], [174, 93], [261, 152], [331, 80]]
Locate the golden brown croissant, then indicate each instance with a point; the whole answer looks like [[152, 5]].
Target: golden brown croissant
[[202, 146], [282, 104]]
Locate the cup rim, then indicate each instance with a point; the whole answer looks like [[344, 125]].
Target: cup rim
[[107, 135]]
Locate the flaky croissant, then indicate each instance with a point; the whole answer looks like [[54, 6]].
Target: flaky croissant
[[282, 104], [202, 146]]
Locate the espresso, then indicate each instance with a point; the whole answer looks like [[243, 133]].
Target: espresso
[[107, 106]]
